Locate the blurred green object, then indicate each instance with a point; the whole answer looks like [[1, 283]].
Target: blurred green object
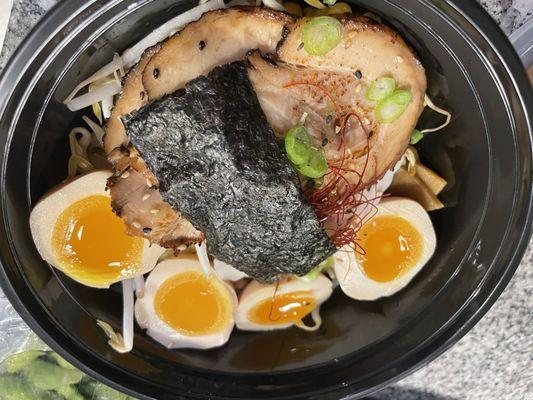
[[16, 388], [69, 392], [48, 376], [98, 391], [44, 375], [18, 361], [60, 361]]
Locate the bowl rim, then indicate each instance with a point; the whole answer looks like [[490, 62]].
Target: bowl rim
[[62, 13]]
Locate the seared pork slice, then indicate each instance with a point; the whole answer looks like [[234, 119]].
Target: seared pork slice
[[147, 216], [132, 98], [368, 50], [290, 95], [216, 38]]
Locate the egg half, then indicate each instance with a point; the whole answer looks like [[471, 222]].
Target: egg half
[[264, 307], [397, 242], [75, 230], [184, 308]]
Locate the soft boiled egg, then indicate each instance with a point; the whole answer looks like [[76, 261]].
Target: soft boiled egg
[[397, 242], [182, 307], [75, 230], [264, 307]]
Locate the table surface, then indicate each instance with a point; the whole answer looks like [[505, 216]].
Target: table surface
[[495, 359]]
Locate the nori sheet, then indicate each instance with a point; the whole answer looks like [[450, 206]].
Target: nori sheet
[[218, 162]]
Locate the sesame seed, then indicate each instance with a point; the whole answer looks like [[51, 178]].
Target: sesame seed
[[366, 120], [148, 183], [399, 59], [358, 88], [147, 230], [358, 74], [155, 72], [324, 142], [300, 46], [154, 211], [125, 174], [201, 45], [146, 196], [136, 225]]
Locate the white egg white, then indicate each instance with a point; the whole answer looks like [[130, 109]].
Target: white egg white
[[351, 276], [159, 330], [255, 293], [44, 216], [227, 272]]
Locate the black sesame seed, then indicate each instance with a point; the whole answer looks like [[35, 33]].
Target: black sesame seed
[[370, 134], [156, 73], [325, 141], [329, 118], [142, 95], [147, 230], [300, 46], [358, 74], [201, 45]]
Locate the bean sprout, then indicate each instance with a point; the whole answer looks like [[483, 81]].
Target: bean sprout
[[430, 104], [201, 252], [120, 343]]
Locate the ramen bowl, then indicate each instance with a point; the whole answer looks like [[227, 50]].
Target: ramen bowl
[[485, 154]]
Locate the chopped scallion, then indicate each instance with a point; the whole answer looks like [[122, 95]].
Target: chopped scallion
[[381, 88], [298, 145], [316, 165], [321, 35], [392, 107], [315, 3], [416, 136], [315, 272]]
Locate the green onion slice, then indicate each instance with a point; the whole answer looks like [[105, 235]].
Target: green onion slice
[[315, 272], [321, 35], [298, 145], [380, 88], [416, 136], [315, 3], [315, 167], [329, 2], [391, 108]]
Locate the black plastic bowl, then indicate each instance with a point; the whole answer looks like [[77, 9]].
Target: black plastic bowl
[[485, 154]]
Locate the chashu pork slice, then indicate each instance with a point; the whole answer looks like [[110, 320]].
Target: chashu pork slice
[[133, 187], [368, 50], [215, 39]]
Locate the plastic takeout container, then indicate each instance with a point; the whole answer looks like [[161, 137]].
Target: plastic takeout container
[[485, 154]]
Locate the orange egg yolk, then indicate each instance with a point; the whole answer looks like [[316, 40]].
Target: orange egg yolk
[[392, 246], [283, 308], [91, 243], [193, 303]]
